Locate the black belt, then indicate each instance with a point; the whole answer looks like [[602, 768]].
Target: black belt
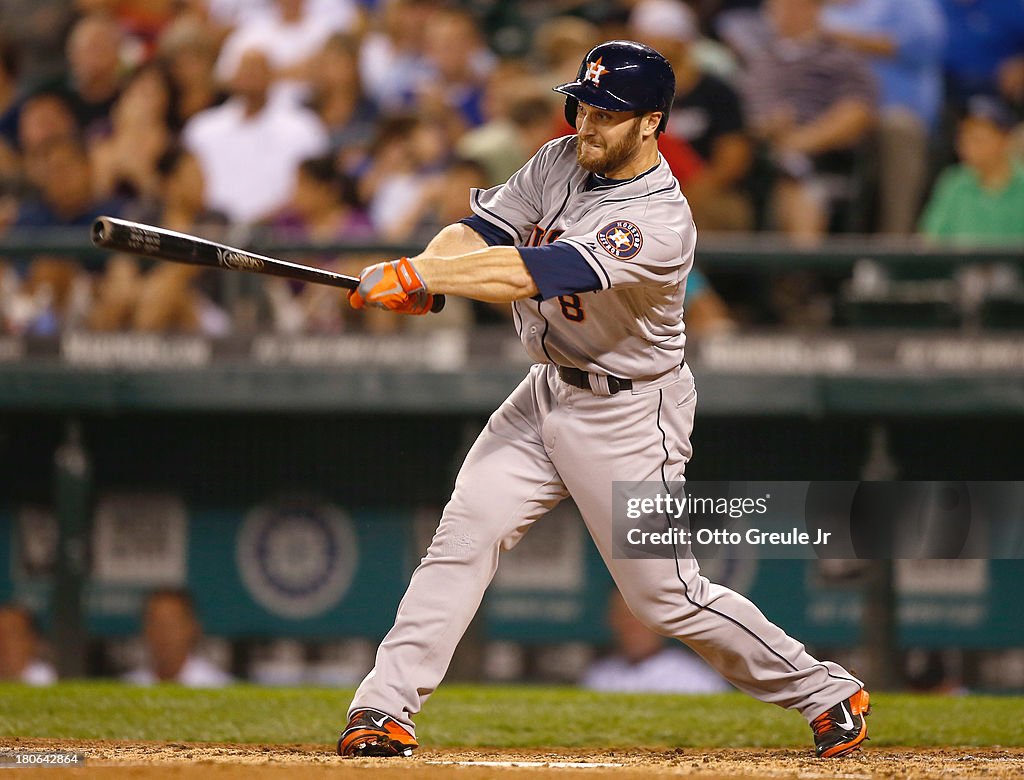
[[578, 378]]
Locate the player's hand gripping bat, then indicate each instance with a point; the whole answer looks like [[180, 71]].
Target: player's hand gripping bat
[[138, 239]]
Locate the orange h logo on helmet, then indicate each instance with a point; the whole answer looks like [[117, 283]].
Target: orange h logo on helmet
[[594, 72]]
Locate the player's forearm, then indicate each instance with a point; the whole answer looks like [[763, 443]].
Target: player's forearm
[[456, 239], [495, 274]]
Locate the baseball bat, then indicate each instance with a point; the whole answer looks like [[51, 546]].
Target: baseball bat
[[139, 239]]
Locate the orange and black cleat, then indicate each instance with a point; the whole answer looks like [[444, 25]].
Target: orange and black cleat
[[841, 729], [375, 733]]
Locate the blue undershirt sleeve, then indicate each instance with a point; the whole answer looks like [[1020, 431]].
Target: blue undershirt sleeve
[[494, 236], [559, 269]]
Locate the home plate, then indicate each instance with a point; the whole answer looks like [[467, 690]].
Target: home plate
[[545, 764]]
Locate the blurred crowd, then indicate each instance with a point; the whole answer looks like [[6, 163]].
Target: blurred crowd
[[325, 121]]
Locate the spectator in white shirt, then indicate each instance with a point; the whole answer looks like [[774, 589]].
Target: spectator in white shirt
[[642, 662], [171, 633], [250, 148], [290, 33], [19, 648]]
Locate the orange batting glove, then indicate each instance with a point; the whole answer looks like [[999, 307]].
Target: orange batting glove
[[395, 286]]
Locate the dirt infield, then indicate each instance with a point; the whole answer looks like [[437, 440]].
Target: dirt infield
[[159, 760]]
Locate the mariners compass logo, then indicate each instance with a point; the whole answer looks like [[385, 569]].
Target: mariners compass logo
[[594, 72], [297, 556]]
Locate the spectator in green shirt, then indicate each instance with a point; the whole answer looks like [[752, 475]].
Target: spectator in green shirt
[[981, 200]]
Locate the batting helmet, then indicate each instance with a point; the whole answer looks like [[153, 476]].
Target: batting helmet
[[621, 76]]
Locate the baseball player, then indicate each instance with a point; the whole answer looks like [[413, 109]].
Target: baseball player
[[591, 242]]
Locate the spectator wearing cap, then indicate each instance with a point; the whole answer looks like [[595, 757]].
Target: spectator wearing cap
[[904, 43], [250, 147], [812, 104], [19, 648], [982, 198], [706, 114]]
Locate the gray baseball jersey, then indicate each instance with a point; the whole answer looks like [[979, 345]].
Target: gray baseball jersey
[[638, 236], [551, 439]]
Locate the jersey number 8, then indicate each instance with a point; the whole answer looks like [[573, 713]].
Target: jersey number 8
[[572, 309]]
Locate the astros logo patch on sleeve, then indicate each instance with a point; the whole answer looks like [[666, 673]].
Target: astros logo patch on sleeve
[[621, 239]]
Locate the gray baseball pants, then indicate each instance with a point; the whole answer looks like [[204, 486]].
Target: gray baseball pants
[[547, 441]]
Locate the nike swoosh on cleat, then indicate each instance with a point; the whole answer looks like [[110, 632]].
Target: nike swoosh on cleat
[[380, 724], [847, 722]]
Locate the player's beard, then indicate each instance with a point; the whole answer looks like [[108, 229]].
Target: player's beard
[[614, 157]]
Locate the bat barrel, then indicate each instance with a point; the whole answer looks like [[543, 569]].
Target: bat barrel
[[100, 231], [124, 236]]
